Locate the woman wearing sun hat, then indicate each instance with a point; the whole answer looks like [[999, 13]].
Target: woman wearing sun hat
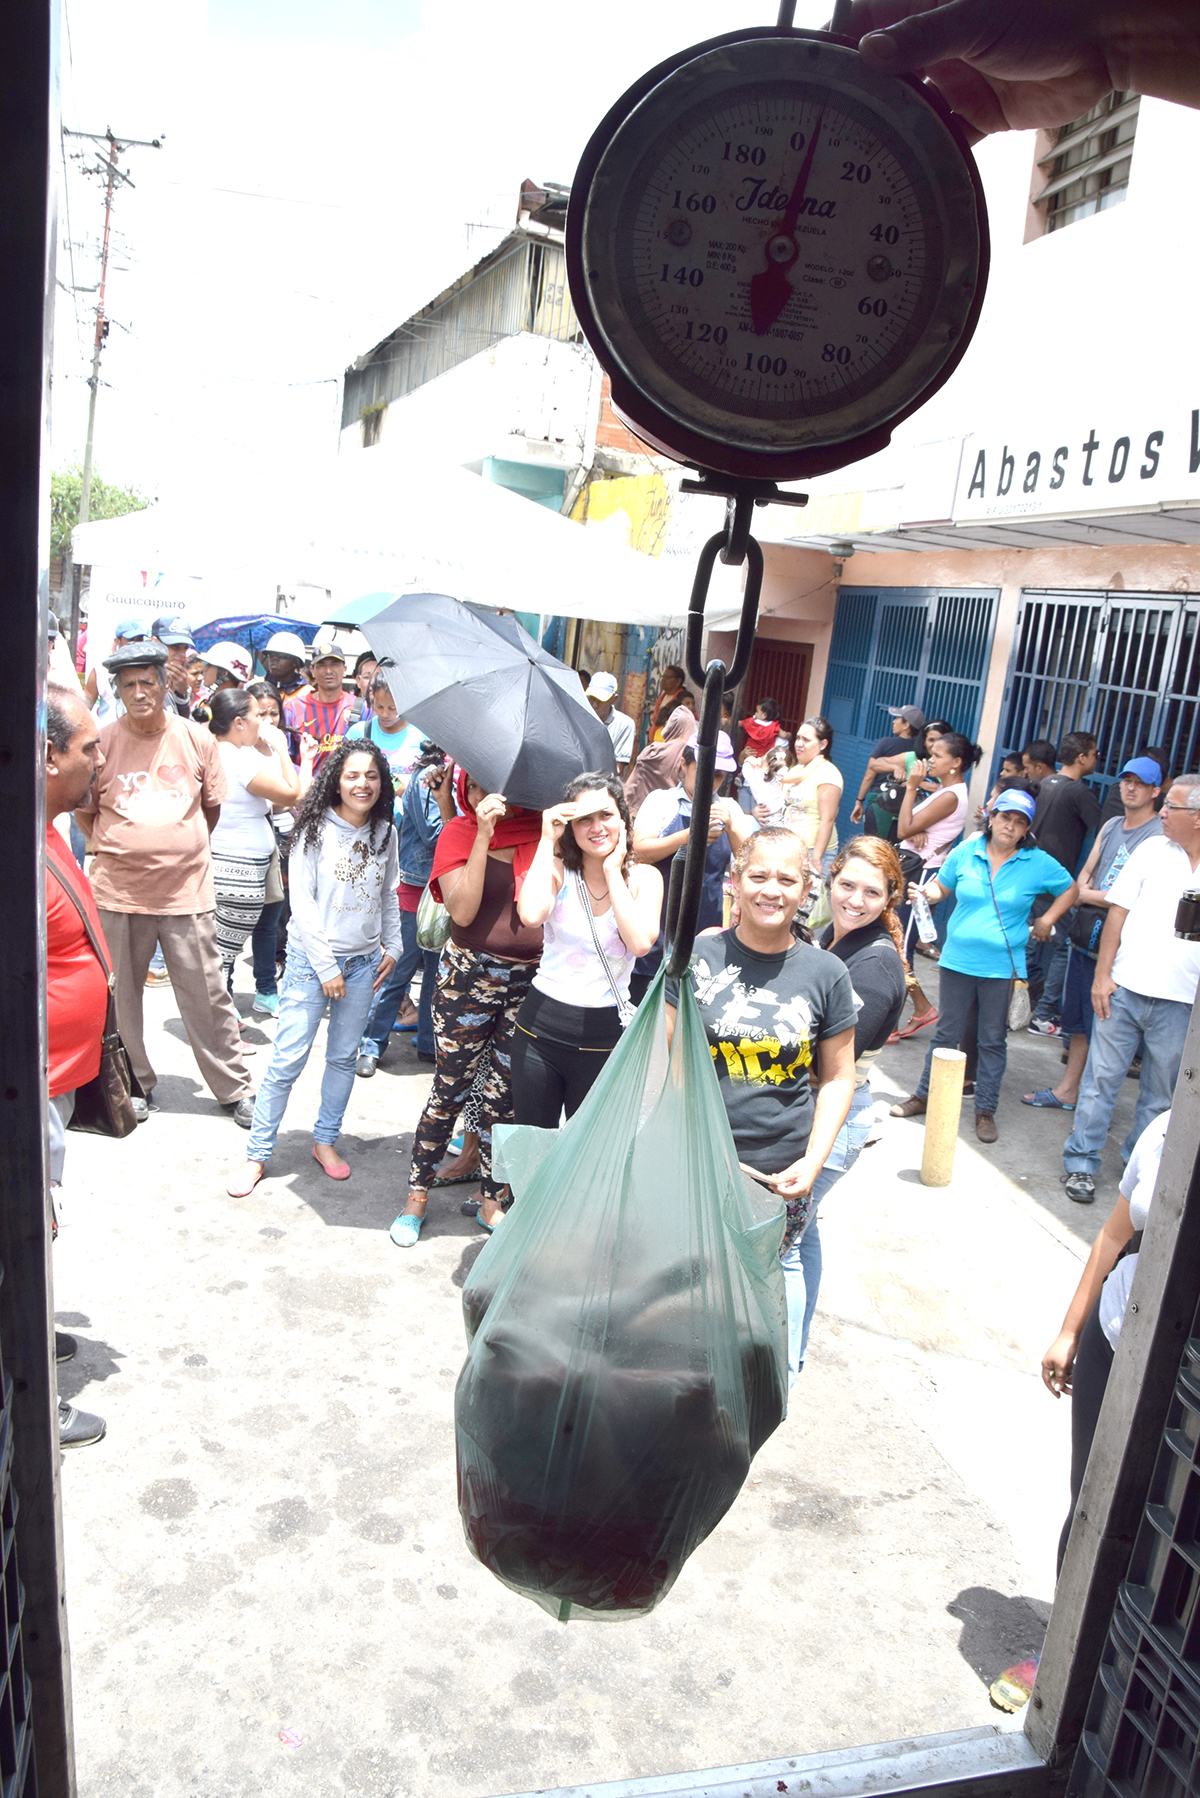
[[995, 878]]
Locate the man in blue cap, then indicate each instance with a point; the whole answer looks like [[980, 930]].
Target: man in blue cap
[[1139, 785], [1142, 990]]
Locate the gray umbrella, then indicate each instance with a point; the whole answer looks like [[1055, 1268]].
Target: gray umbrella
[[508, 711]]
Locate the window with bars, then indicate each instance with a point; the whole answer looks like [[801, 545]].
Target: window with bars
[[1085, 168]]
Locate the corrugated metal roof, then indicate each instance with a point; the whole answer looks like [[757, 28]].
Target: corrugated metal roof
[[521, 285]]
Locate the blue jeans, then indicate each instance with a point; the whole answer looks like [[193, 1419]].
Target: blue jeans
[[1054, 966], [390, 997], [956, 994], [59, 1113], [301, 1008], [1161, 1026], [263, 942], [802, 1262]]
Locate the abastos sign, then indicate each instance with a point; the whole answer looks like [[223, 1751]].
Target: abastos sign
[[1117, 460]]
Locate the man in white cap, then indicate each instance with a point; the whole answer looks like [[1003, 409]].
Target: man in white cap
[[227, 665], [284, 659], [328, 711], [600, 693]]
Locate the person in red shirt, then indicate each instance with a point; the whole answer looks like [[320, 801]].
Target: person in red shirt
[[328, 711], [76, 984]]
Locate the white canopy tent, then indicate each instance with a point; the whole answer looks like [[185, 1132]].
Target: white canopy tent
[[371, 524]]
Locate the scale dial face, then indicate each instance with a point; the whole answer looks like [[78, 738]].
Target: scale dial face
[[776, 252]]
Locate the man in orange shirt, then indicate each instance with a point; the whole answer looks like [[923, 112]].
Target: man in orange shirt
[[76, 984], [149, 815]]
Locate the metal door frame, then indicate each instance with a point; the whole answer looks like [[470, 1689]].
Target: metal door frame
[[1109, 601], [903, 597]]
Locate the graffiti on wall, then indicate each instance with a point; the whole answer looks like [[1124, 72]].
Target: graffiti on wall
[[633, 508]]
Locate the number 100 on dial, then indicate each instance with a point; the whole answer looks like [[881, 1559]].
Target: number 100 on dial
[[776, 252]]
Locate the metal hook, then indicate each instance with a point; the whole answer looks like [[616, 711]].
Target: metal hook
[[696, 672]]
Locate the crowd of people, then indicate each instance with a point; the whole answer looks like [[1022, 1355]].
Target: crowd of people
[[380, 887]]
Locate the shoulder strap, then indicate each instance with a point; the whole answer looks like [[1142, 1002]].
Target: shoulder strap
[[991, 889], [356, 710], [582, 894], [73, 896]]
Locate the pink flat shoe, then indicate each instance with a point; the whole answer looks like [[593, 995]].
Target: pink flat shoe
[[337, 1170], [242, 1185]]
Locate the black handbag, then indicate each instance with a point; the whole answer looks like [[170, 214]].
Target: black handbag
[[103, 1105], [1087, 927], [888, 793]]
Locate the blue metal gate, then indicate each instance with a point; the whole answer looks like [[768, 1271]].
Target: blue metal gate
[[1125, 666], [894, 646]]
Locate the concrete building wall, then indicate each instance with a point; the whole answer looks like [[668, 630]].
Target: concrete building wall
[[1159, 568], [526, 399]]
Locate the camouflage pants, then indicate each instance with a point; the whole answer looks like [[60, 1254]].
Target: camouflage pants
[[475, 1003]]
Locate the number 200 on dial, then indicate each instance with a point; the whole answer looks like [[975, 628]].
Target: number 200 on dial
[[776, 253]]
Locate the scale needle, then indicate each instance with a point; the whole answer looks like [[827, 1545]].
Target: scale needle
[[770, 289]]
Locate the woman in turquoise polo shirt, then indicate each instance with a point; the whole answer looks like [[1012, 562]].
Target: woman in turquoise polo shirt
[[994, 878]]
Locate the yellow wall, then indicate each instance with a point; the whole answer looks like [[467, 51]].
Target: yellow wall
[[634, 508]]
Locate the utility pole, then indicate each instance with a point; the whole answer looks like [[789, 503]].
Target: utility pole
[[112, 175]]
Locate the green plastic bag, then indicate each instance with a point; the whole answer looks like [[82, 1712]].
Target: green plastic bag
[[433, 923], [627, 1330]]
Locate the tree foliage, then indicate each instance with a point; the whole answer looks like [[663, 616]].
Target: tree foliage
[[105, 501]]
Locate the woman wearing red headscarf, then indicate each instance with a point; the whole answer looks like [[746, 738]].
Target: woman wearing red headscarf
[[479, 867]]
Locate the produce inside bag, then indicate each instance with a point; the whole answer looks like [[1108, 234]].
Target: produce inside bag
[[627, 1332]]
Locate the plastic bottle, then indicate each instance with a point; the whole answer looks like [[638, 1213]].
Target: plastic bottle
[[926, 928]]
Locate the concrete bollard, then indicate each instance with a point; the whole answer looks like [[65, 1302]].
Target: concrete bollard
[[942, 1110]]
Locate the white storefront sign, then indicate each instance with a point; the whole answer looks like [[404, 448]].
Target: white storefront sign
[[1118, 458]]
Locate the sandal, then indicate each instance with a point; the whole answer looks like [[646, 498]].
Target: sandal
[[915, 1024], [1045, 1100]]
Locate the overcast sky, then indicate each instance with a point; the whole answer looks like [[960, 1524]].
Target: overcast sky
[[322, 162]]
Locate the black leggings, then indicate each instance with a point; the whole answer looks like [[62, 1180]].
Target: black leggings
[[1093, 1359], [550, 1078]]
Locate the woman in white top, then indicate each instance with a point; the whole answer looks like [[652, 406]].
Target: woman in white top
[[599, 911], [255, 760], [814, 789]]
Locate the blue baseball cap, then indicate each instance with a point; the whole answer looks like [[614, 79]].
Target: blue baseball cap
[[170, 628], [1146, 769], [130, 629], [1013, 800]]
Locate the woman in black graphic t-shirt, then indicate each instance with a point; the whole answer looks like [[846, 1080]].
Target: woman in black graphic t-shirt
[[771, 1007]]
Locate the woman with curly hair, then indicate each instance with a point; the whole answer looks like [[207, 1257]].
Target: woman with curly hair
[[343, 940], [599, 912]]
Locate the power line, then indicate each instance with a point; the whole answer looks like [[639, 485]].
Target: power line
[[112, 174]]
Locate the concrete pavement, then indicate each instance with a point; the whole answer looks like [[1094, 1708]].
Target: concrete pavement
[[268, 1587]]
